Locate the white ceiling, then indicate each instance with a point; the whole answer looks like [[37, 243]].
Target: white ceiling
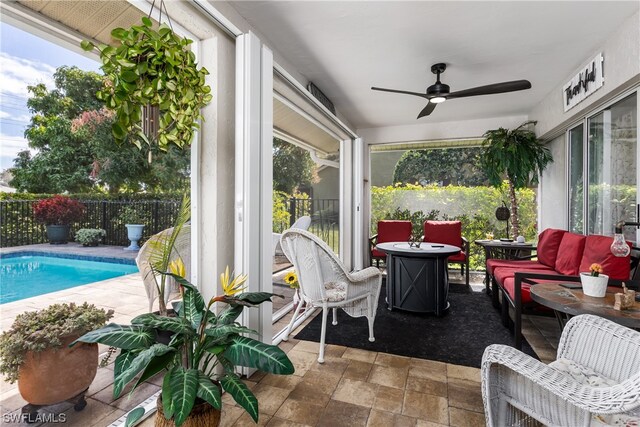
[[347, 47]]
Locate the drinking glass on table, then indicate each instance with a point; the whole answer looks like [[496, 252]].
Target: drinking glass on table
[[489, 236]]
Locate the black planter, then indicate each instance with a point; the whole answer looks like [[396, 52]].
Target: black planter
[[58, 234]]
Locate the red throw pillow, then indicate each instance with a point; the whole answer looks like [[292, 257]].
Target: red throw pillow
[[548, 244], [444, 232], [570, 254], [598, 249]]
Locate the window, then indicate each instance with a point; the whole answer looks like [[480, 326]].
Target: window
[[576, 179]]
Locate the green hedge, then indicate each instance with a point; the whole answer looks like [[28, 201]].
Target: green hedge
[[473, 206], [97, 196]]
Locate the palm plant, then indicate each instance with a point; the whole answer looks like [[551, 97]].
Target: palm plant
[[200, 358], [162, 250], [515, 155]]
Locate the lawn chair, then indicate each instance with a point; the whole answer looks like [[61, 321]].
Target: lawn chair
[[301, 223], [450, 233], [388, 231]]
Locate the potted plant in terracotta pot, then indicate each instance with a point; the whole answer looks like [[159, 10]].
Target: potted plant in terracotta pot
[[35, 353], [57, 213], [201, 358], [133, 219]]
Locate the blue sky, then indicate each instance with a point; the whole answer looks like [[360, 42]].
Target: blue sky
[[26, 60]]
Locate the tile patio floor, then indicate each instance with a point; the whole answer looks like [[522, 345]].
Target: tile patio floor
[[352, 388]]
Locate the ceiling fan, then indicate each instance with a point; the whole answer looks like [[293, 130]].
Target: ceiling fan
[[439, 92]]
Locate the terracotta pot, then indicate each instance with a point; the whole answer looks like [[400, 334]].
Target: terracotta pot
[[58, 374], [202, 415]]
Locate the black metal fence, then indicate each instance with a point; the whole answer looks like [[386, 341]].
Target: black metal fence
[[324, 213], [18, 226]]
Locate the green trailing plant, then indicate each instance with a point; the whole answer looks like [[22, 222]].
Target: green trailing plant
[[163, 250], [203, 352], [130, 215], [90, 236], [152, 67], [41, 330], [515, 155]]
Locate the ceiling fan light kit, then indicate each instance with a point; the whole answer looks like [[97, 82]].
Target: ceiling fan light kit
[[440, 92]]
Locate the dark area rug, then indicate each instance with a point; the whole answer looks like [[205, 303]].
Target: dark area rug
[[459, 337]]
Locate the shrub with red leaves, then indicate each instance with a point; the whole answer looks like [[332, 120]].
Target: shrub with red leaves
[[58, 210]]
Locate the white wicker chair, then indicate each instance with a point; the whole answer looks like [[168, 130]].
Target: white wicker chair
[[594, 381], [182, 249], [301, 223], [324, 282]]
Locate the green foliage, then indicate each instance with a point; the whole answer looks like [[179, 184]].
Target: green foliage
[[90, 236], [96, 196], [202, 354], [281, 215], [444, 166], [473, 206], [37, 331], [130, 215], [292, 167], [156, 68]]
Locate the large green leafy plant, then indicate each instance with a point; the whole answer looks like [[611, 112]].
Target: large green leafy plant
[[152, 68], [200, 358], [516, 155]]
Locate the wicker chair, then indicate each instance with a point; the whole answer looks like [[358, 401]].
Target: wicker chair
[[594, 381], [325, 283], [182, 249], [302, 223]]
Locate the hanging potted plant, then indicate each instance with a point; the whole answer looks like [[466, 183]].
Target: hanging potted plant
[[152, 75], [201, 357], [57, 213], [34, 352]]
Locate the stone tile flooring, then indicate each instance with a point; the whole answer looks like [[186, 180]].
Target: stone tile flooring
[[352, 388]]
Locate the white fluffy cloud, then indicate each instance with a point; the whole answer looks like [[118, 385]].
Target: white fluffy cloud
[[18, 73], [10, 146]]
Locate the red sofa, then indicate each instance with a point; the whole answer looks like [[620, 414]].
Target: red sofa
[[561, 256]]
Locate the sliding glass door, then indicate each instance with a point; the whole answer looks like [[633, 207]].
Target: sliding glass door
[[576, 179], [612, 167]]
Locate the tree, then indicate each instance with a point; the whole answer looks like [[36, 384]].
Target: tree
[[443, 166], [517, 156], [76, 151], [292, 167]]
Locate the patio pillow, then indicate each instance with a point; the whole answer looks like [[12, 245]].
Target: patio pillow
[[598, 249], [570, 254], [548, 244]]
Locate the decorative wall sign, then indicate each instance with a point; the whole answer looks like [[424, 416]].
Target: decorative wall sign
[[583, 84]]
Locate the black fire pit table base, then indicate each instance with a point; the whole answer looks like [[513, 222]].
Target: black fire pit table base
[[417, 278]]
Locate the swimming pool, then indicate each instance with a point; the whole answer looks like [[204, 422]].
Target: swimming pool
[[28, 274]]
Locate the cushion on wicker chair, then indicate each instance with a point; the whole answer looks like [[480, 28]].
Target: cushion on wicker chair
[[335, 291], [587, 376]]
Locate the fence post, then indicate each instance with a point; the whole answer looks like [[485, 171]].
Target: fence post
[[292, 211], [156, 206]]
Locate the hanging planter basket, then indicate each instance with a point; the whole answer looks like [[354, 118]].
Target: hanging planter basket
[[153, 84]]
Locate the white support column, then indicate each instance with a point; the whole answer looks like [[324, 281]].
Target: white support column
[[254, 175], [346, 204], [358, 208]]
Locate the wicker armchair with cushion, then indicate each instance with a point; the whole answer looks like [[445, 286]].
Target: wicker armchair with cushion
[[594, 381]]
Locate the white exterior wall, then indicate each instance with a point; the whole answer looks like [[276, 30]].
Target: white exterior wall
[[553, 201], [621, 53]]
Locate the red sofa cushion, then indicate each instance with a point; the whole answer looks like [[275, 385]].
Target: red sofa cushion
[[392, 231], [510, 284], [445, 232], [528, 264], [548, 245], [598, 249], [503, 273], [570, 254]]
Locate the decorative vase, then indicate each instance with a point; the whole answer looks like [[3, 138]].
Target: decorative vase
[[201, 415], [58, 234], [58, 374], [594, 286], [134, 234]]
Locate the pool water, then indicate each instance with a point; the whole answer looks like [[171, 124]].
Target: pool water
[[31, 275]]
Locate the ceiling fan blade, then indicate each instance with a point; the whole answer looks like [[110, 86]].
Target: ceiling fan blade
[[491, 89], [427, 110], [422, 95]]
